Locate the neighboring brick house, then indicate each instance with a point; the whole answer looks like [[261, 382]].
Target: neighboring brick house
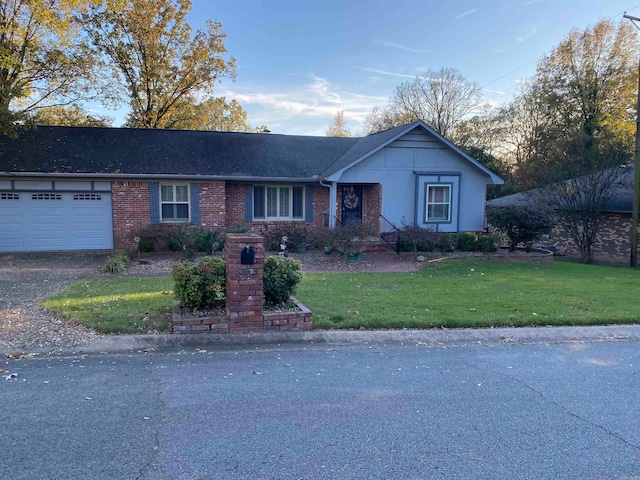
[[68, 188], [613, 242]]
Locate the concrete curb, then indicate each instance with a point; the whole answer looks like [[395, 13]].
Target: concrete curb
[[359, 338]]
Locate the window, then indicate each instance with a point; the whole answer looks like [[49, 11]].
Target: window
[[174, 203], [9, 196], [438, 203], [87, 196], [46, 196], [278, 203]]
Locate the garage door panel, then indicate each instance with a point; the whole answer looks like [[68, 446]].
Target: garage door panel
[[55, 221]]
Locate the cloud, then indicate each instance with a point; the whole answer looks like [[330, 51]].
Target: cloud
[[497, 92], [527, 34], [384, 72], [468, 12], [319, 99], [402, 47]]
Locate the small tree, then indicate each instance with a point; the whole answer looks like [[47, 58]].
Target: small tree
[[338, 127], [521, 223], [579, 203]]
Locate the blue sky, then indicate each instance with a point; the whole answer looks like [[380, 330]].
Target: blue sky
[[300, 62]]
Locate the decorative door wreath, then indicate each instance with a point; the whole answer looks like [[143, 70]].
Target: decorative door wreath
[[350, 199]]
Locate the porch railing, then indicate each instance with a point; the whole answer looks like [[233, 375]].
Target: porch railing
[[390, 234]]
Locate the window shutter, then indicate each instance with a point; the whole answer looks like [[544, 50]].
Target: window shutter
[[154, 201], [195, 203], [308, 204], [248, 203]]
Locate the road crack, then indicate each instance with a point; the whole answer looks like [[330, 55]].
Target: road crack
[[573, 414]]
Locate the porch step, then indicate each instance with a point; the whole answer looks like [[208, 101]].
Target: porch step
[[376, 246]]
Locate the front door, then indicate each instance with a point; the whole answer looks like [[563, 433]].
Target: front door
[[351, 203]]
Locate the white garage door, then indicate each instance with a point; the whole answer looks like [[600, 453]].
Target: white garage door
[[42, 221]]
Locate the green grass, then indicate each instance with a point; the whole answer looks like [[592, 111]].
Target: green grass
[[474, 293], [453, 293], [117, 305]]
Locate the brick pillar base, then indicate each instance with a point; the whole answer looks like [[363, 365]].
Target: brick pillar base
[[244, 282]]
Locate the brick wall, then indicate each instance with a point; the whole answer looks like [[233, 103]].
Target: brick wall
[[613, 243], [372, 204], [234, 195], [131, 210], [235, 213], [213, 201]]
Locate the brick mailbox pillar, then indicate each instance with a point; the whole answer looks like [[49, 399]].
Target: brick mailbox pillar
[[244, 256]]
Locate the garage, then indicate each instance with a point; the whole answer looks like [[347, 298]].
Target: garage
[[53, 216]]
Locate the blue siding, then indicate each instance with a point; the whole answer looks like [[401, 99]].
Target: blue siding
[[195, 203], [154, 201], [308, 203], [248, 203]]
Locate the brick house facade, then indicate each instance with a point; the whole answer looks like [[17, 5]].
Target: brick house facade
[[222, 205]]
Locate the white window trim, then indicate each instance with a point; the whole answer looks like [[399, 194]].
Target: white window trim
[[278, 218], [188, 202], [427, 203]]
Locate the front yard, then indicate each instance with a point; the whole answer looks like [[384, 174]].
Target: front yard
[[452, 294]]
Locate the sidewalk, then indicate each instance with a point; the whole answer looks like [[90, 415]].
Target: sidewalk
[[436, 338]]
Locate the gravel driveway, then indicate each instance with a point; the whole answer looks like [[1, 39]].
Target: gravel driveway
[[26, 280]]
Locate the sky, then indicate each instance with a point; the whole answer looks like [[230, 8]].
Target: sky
[[299, 62]]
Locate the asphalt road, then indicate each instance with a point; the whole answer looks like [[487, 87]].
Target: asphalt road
[[529, 411]]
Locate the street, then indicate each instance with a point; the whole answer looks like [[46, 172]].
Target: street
[[305, 412]]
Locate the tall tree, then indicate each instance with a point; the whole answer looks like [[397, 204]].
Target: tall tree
[[151, 50], [338, 126], [42, 60], [588, 87], [213, 114], [69, 116], [380, 119], [441, 98]]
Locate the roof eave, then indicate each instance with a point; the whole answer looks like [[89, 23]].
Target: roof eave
[[160, 176], [495, 179]]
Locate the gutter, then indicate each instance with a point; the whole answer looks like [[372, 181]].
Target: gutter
[[159, 176]]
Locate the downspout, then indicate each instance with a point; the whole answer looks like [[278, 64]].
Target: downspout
[[333, 191]]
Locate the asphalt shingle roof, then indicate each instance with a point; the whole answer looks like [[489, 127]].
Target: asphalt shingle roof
[[179, 152], [622, 201]]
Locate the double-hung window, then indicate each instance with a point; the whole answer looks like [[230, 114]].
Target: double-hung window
[[438, 207], [174, 202], [278, 203]]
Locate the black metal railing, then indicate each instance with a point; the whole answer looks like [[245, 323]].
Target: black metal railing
[[390, 234]]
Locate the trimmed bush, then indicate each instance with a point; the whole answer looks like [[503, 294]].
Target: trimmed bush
[[206, 240], [467, 241], [488, 243], [281, 278], [521, 223], [200, 285], [449, 242], [413, 238], [295, 232]]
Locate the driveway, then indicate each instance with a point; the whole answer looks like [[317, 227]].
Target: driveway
[[25, 280]]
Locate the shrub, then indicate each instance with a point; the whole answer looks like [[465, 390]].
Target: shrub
[[200, 285], [205, 240], [320, 237], [295, 232], [350, 238], [467, 242], [413, 238], [118, 263], [488, 243], [156, 237], [521, 223], [281, 278], [449, 242]]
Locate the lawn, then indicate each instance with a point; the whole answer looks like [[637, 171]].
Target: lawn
[[453, 293], [118, 304], [474, 293]]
